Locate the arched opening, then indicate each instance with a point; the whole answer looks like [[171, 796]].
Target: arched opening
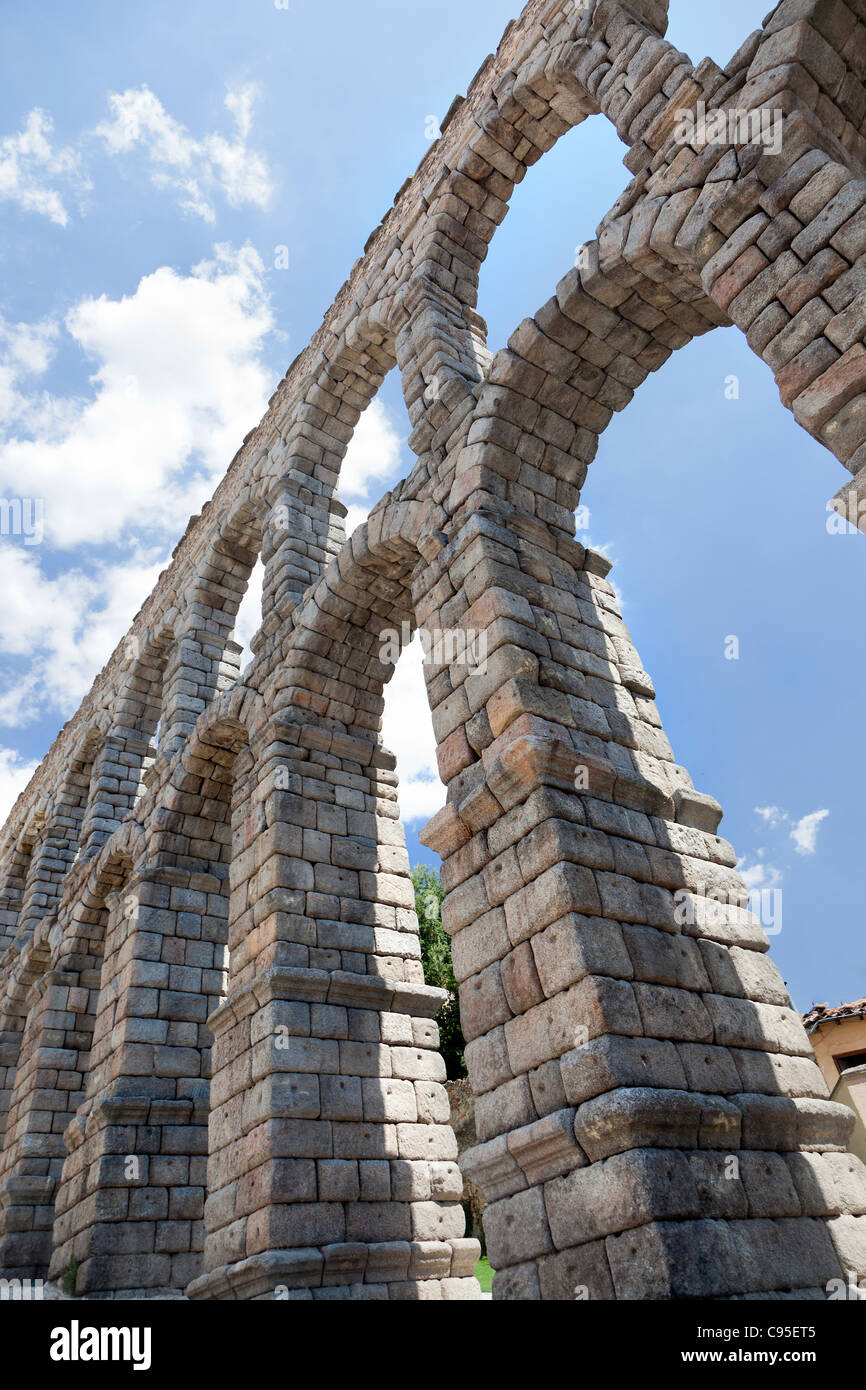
[[304, 523], [377, 455], [248, 620], [32, 1149], [204, 659], [408, 733], [65, 830], [66, 837], [137, 727], [165, 918], [321, 892], [222, 583], [51, 1090], [555, 209], [19, 858], [97, 930]]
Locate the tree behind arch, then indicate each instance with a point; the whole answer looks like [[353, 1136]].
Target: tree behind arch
[[436, 960]]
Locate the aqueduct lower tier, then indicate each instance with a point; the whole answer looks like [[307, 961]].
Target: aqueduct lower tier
[[218, 1053]]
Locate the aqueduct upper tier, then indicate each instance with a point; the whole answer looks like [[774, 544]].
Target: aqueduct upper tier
[[218, 1055]]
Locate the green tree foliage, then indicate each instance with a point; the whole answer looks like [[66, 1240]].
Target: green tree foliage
[[436, 960]]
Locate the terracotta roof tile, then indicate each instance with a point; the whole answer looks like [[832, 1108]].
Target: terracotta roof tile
[[823, 1013]]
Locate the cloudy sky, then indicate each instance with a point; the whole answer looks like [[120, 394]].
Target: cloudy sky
[[183, 187]]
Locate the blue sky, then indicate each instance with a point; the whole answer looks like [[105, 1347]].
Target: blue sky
[[153, 160]]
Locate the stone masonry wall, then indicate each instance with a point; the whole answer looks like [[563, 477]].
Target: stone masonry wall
[[219, 1069]]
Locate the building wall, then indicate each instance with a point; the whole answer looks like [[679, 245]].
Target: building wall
[[851, 1091], [835, 1039], [212, 937]]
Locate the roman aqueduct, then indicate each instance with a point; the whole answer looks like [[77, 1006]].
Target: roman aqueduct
[[218, 1055]]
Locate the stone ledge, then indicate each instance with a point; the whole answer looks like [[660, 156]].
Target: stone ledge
[[310, 1267], [340, 987], [533, 1154], [696, 810]]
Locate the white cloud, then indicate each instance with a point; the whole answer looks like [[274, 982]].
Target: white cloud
[[178, 378], [25, 351], [373, 454], [63, 629], [33, 171], [408, 733], [249, 618], [194, 169], [356, 516], [759, 875], [30, 167], [15, 773], [805, 832]]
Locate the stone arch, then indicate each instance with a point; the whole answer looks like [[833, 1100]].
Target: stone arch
[[338, 630], [32, 1148], [137, 718], [203, 660], [304, 521], [773, 236], [552, 85], [84, 921], [164, 892], [60, 842], [325, 966], [28, 967], [117, 859], [194, 839], [18, 858], [221, 581], [70, 813], [89, 930], [54, 1068], [725, 218], [551, 393]]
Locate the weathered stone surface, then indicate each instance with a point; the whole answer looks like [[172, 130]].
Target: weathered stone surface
[[219, 1062]]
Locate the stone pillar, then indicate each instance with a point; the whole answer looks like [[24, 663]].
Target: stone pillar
[[10, 1039], [130, 1202], [305, 527], [202, 663], [332, 1169], [652, 1123], [33, 1149], [114, 787], [442, 346], [13, 889], [53, 854]]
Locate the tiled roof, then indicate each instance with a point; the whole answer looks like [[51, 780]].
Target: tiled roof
[[823, 1013]]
